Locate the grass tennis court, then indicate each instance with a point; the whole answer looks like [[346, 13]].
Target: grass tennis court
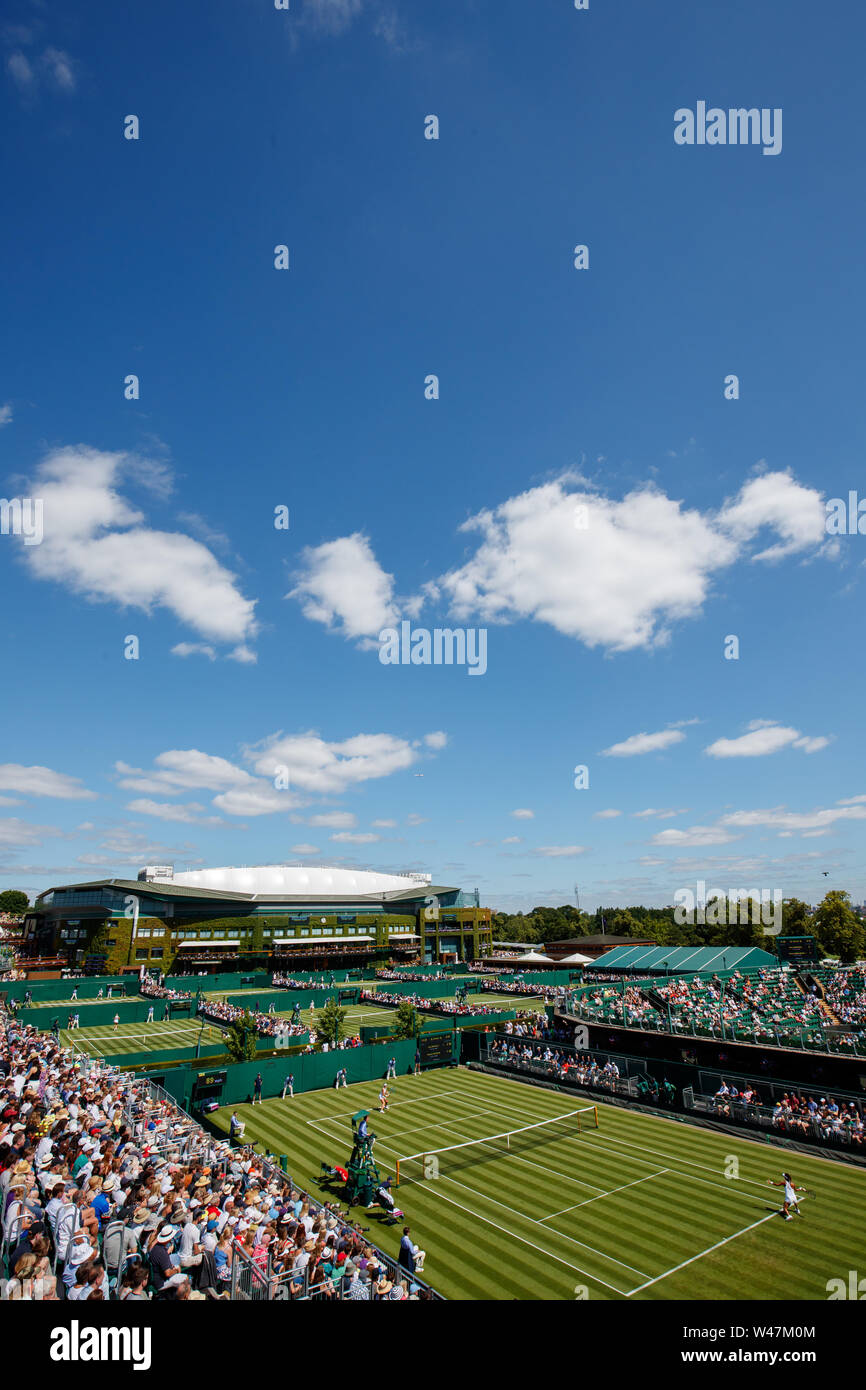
[[103, 1041], [521, 1002], [138, 1037], [640, 1208], [70, 1005]]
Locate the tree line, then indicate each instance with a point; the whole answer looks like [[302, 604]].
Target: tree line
[[834, 924]]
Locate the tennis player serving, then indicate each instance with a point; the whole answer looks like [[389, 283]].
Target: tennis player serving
[[791, 1198]]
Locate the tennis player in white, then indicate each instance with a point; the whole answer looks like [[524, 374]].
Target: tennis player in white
[[791, 1198]]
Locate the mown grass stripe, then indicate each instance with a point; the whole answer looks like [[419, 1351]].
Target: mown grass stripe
[[690, 1228]]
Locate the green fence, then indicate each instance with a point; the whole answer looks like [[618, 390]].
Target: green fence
[[167, 1057], [463, 1021], [425, 989], [236, 979], [315, 997], [171, 1056], [87, 986], [261, 979], [313, 1071], [99, 1015], [281, 999]]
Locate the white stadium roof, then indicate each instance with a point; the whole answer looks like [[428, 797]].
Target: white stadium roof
[[318, 880]]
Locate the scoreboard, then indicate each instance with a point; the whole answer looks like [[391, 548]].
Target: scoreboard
[[436, 1047], [798, 950], [208, 1085]]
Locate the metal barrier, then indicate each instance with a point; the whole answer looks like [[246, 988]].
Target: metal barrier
[[796, 1126], [803, 1038], [626, 1083], [250, 1281]]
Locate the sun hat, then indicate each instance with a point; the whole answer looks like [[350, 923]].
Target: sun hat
[[166, 1234]]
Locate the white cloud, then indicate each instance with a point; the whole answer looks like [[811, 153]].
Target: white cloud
[[261, 799], [97, 544], [332, 17], [606, 815], [385, 824], [812, 745], [349, 837], [414, 819], [5, 415], [436, 740], [779, 818], [559, 851], [129, 844], [190, 813], [618, 574], [523, 814], [335, 820], [617, 582], [697, 836], [512, 840], [777, 503], [182, 769], [343, 586], [317, 766], [60, 69], [638, 744], [20, 70], [15, 833], [42, 781], [652, 811], [194, 649], [306, 849], [764, 737]]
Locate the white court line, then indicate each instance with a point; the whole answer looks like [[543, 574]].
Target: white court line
[[419, 1100], [476, 1216], [700, 1255], [419, 1129], [595, 1140], [610, 1193], [522, 1216], [672, 1120], [727, 1186], [542, 1167]]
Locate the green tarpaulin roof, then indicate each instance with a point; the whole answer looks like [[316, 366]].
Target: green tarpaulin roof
[[683, 960]]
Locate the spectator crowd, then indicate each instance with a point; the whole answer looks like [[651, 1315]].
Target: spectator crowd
[[110, 1191]]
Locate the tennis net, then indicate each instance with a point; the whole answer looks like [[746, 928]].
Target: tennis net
[[438, 1163]]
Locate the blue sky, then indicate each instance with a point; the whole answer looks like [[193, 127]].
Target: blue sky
[[558, 388]]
